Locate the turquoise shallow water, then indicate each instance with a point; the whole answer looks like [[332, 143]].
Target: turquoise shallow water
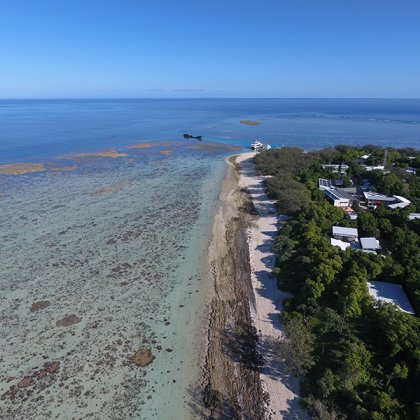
[[120, 244]]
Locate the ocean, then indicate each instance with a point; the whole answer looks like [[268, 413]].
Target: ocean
[[103, 254], [39, 129]]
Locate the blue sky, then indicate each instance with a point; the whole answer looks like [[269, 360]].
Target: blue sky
[[209, 48]]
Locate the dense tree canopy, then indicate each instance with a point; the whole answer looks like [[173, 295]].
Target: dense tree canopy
[[358, 359]]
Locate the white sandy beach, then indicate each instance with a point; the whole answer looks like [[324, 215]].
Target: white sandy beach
[[281, 387]]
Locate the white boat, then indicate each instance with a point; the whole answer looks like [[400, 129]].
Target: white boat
[[259, 145]]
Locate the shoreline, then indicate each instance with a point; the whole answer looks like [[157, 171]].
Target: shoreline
[[231, 387], [241, 378]]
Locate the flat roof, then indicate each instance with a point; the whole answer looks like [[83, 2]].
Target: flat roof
[[344, 231], [372, 195], [369, 243], [335, 165], [398, 205], [390, 293], [402, 202], [343, 245]]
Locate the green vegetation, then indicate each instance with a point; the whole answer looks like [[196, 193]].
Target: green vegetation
[[357, 359]]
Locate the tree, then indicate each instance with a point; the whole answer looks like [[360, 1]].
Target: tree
[[366, 223], [297, 348]]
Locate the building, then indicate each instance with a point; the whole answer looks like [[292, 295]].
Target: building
[[413, 216], [374, 199], [370, 244], [351, 214], [324, 183], [390, 293], [337, 197], [342, 169], [374, 168], [341, 244], [400, 202], [345, 234]]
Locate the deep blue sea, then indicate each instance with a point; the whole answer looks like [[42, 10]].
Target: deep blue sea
[[38, 129]]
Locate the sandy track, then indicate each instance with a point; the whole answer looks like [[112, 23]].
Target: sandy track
[[281, 387]]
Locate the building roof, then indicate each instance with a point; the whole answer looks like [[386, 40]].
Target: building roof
[[370, 243], [344, 231], [401, 202], [372, 195], [413, 216], [390, 293], [343, 245], [324, 183], [372, 168], [336, 194]]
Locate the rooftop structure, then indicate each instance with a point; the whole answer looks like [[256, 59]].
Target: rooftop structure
[[324, 183], [390, 293], [340, 232], [338, 197], [413, 216], [343, 168], [341, 244], [364, 157], [374, 168], [369, 244], [401, 202], [374, 196], [375, 199]]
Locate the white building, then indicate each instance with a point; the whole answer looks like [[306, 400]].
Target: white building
[[370, 244], [345, 233], [390, 293], [400, 202], [413, 216], [373, 168], [341, 244], [337, 197], [343, 168]]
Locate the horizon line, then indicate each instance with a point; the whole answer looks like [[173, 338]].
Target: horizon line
[[204, 97]]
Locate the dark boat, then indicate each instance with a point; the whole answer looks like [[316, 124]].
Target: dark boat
[[190, 136]]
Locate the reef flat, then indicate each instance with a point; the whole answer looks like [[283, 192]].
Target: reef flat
[[102, 284]]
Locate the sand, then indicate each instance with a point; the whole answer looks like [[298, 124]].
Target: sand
[[281, 387], [243, 376], [21, 168]]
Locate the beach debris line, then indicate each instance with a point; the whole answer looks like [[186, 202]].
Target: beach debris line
[[190, 136]]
